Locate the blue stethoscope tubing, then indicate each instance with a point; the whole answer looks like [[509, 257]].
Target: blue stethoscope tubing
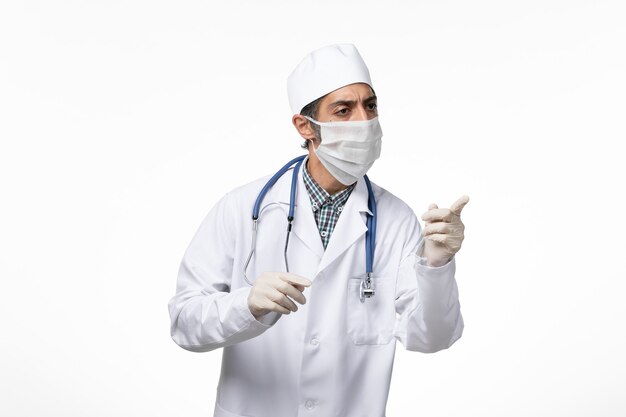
[[366, 289]]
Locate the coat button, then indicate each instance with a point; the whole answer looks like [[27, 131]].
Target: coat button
[[309, 404], [315, 341]]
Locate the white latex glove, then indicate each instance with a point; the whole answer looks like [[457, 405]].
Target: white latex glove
[[443, 232], [271, 292]]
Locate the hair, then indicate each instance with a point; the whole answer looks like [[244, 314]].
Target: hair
[[310, 110]]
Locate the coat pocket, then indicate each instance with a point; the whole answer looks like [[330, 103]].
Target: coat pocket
[[372, 321]]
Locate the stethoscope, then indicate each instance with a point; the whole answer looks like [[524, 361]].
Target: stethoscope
[[366, 289]]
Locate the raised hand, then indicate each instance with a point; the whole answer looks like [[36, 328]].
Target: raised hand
[[443, 232]]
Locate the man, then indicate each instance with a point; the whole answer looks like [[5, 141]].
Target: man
[[333, 356]]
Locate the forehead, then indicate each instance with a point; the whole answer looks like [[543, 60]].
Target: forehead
[[357, 91]]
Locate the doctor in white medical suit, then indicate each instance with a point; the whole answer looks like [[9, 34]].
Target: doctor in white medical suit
[[309, 299]]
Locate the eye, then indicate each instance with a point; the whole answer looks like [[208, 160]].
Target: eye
[[343, 111], [372, 106]]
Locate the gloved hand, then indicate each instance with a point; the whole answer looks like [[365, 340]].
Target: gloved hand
[[271, 292], [443, 232]]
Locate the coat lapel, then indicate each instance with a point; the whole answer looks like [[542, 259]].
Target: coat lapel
[[350, 225]]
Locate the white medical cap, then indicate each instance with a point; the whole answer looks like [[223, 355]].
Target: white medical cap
[[323, 71]]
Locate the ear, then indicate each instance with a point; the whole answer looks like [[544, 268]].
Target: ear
[[303, 126]]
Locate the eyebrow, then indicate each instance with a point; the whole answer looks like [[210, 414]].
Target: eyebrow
[[350, 102]]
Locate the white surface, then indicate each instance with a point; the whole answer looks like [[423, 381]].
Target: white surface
[[118, 120]]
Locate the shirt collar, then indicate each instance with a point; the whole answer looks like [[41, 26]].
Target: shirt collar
[[319, 196]]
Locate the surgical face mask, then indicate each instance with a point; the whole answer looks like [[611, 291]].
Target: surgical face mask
[[348, 149]]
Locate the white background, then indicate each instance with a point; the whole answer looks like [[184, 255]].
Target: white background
[[122, 123]]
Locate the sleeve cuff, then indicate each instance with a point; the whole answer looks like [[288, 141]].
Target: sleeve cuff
[[433, 271], [422, 261]]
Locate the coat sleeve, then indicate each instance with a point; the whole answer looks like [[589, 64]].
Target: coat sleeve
[[204, 313], [427, 300]]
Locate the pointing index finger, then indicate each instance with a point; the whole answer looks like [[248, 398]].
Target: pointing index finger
[[458, 205]]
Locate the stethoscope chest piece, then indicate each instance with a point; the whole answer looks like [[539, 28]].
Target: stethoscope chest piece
[[367, 290]]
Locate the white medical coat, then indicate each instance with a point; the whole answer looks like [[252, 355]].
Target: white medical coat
[[334, 356]]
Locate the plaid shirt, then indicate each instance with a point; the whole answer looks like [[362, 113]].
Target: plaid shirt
[[326, 207]]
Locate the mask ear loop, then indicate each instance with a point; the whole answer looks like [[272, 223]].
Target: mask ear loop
[[318, 138]]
